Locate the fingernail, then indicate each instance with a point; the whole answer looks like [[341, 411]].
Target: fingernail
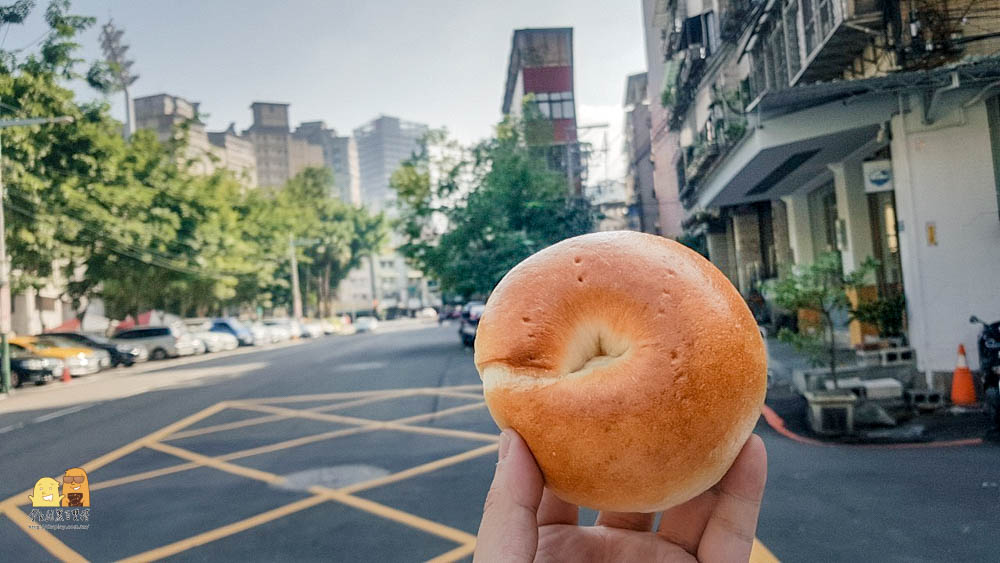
[[504, 444]]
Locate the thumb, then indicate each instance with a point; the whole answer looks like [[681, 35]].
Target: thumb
[[509, 530]]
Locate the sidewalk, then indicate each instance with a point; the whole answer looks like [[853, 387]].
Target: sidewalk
[[125, 382], [941, 426]]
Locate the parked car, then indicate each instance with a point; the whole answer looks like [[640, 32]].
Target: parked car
[[79, 359], [213, 341], [313, 329], [261, 333], [366, 324], [427, 313], [121, 354], [470, 323], [26, 367], [280, 332], [293, 327], [234, 327], [161, 341]]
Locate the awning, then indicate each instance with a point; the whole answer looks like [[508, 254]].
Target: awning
[[803, 129]]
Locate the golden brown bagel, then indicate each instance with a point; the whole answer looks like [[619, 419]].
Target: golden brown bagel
[[630, 365]]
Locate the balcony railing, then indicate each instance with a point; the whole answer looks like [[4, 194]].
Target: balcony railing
[[803, 41]]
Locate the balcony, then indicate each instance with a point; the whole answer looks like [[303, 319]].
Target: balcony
[[720, 134], [803, 41]]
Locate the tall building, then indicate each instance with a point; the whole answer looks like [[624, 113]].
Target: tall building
[[207, 151], [639, 179], [235, 153], [280, 156], [541, 69], [383, 144], [664, 142], [340, 154], [387, 282]]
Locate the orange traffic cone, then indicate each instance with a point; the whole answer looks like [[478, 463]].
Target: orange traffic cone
[[962, 390], [66, 378]]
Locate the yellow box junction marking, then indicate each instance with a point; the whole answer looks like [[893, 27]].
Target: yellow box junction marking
[[320, 495]]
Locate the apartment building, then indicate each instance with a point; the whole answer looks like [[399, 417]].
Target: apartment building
[[639, 173], [869, 129], [340, 154], [279, 154]]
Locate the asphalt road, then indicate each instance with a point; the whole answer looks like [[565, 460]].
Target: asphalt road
[[377, 447]]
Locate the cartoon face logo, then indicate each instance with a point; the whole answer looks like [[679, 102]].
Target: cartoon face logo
[[46, 493], [76, 488]]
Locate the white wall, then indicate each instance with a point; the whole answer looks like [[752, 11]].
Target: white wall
[[944, 174]]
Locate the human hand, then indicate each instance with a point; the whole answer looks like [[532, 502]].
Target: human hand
[[523, 521]]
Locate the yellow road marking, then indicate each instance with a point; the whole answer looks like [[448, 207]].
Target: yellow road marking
[[42, 536], [227, 530], [390, 513], [419, 470], [455, 554], [278, 446], [218, 463], [143, 476], [123, 451], [759, 553], [329, 396], [307, 414], [446, 432], [274, 417], [442, 413], [459, 395]]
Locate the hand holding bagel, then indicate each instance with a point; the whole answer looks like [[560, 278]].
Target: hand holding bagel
[[629, 364]]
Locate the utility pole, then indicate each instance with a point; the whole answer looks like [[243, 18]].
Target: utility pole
[[5, 324], [296, 295], [114, 54]]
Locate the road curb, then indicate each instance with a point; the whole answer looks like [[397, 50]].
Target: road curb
[[777, 424]]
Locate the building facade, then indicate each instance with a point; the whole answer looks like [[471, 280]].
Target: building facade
[[540, 70], [280, 156], [639, 178], [386, 282], [383, 144], [664, 147], [340, 154], [870, 130], [206, 151]]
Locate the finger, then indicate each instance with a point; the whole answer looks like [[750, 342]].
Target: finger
[[684, 524], [731, 527], [555, 510], [638, 521], [509, 529]]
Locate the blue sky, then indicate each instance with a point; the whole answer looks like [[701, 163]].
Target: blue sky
[[440, 62]]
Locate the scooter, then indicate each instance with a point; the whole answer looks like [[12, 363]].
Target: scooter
[[989, 366]]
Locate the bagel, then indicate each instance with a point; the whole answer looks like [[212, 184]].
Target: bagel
[[629, 364]]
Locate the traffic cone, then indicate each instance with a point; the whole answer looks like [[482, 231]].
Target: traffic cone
[[66, 378], [962, 390]]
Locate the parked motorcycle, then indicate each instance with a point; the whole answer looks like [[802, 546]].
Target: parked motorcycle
[[989, 366]]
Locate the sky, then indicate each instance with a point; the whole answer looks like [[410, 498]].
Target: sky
[[439, 62]]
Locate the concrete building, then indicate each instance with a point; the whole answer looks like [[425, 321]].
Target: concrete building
[[382, 145], [235, 153], [658, 25], [611, 199], [540, 69], [639, 179], [167, 114], [340, 154], [386, 282], [280, 156], [808, 127]]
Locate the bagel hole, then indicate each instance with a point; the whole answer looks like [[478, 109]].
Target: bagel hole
[[594, 346]]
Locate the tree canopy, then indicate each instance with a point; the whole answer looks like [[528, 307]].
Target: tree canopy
[[129, 222], [467, 215]]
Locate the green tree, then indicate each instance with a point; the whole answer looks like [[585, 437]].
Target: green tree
[[467, 216], [822, 287]]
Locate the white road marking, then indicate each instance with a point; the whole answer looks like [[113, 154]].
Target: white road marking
[[64, 412]]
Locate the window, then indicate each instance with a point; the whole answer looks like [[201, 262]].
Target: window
[[555, 105], [701, 32]]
